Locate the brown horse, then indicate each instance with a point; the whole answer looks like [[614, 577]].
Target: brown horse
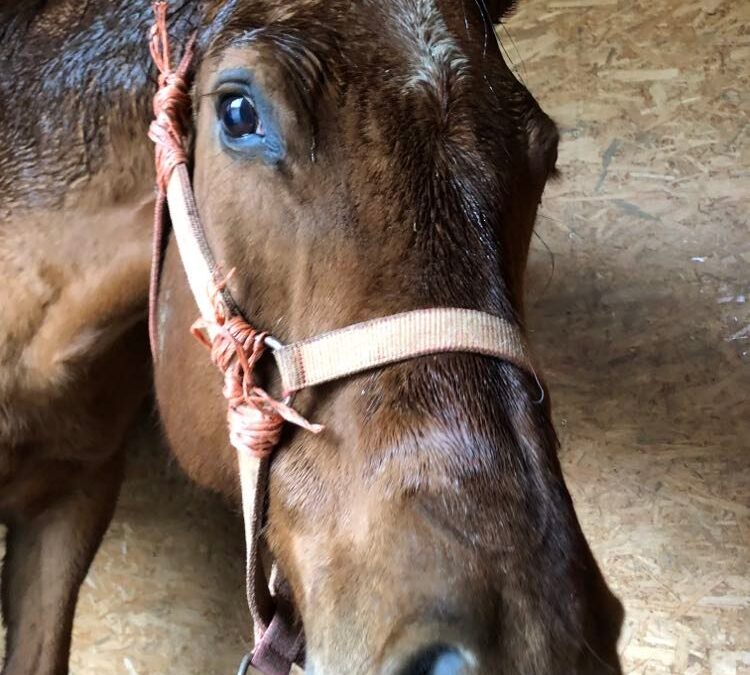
[[351, 159]]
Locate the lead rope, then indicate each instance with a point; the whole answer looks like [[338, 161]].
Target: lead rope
[[255, 419]]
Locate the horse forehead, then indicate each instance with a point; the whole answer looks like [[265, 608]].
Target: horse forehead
[[416, 28], [434, 57], [413, 35]]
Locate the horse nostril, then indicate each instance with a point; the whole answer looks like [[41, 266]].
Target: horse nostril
[[436, 660]]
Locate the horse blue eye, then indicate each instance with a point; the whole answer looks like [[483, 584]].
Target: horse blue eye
[[238, 116]]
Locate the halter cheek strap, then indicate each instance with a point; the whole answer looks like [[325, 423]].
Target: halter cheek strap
[[254, 418]]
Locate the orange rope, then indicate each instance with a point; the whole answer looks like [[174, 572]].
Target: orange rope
[[171, 102], [255, 418]]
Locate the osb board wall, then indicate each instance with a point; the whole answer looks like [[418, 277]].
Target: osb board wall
[[640, 307], [639, 304]]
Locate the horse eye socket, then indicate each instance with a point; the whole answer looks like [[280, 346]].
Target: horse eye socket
[[238, 116]]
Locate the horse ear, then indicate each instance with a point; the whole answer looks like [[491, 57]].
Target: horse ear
[[498, 9], [543, 139]]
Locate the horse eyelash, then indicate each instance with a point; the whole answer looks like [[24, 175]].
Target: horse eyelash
[[211, 94]]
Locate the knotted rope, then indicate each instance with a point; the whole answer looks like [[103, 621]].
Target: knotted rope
[[255, 418], [171, 101], [167, 131]]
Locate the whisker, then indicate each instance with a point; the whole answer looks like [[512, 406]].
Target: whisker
[[522, 64], [551, 256]]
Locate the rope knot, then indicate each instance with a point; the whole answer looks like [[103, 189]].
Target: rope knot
[[255, 418], [171, 101]]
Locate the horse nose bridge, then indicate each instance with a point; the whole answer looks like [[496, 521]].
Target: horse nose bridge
[[453, 397], [440, 422]]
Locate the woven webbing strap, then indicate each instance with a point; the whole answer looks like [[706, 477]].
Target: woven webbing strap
[[379, 342]]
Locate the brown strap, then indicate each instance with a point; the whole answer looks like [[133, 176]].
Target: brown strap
[[279, 638], [158, 244], [282, 644], [254, 483], [379, 342]]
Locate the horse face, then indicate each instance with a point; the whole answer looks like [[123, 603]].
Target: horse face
[[354, 160]]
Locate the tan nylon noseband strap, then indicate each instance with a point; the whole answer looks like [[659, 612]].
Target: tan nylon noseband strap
[[379, 342]]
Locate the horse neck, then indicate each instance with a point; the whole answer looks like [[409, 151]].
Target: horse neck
[[78, 82]]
